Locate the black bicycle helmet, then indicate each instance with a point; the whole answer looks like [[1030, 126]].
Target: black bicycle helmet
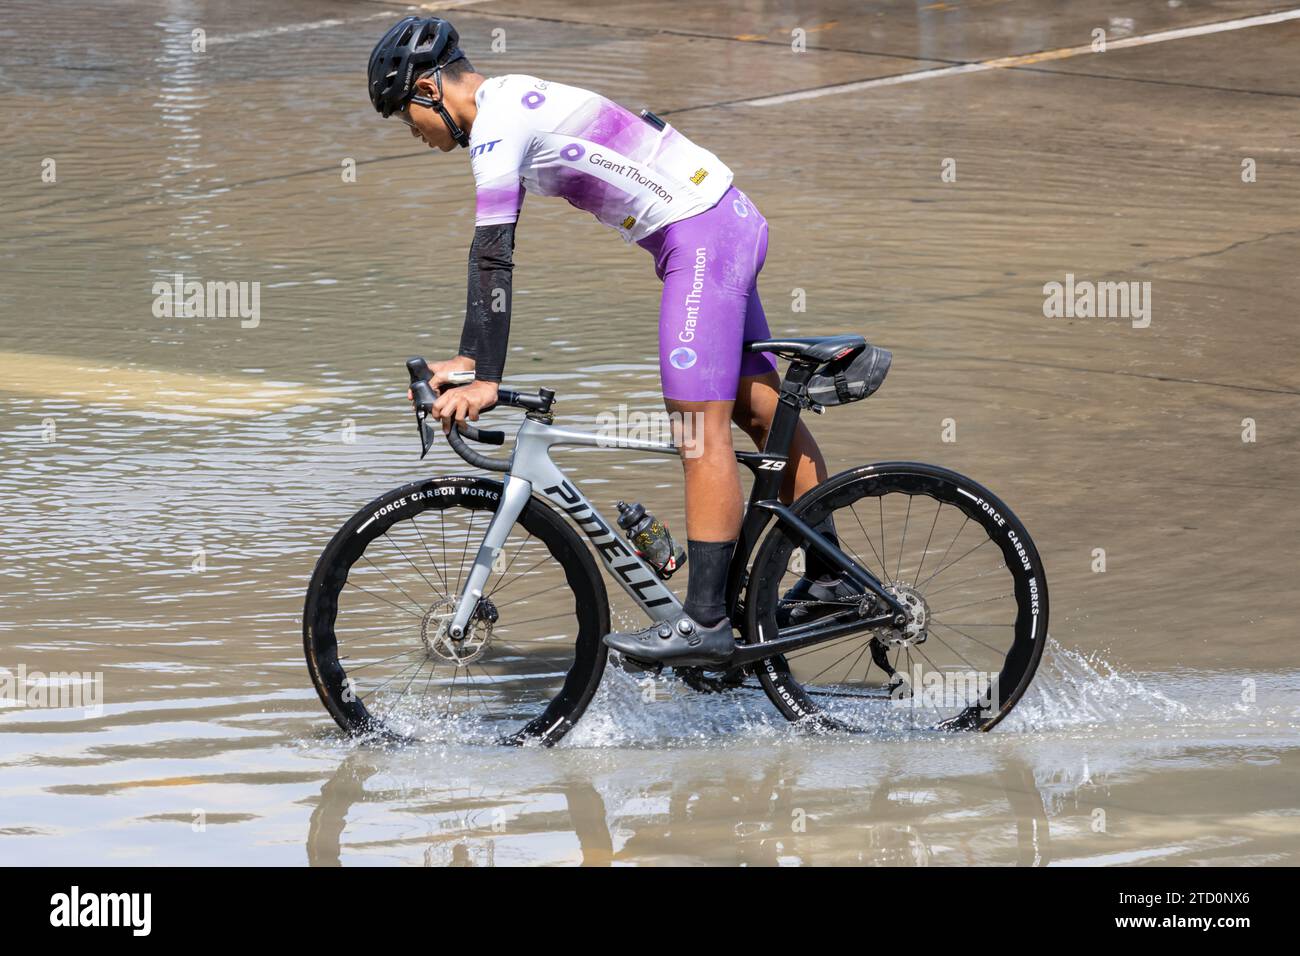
[[410, 49]]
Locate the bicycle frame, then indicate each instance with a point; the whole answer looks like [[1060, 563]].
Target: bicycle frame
[[532, 471]]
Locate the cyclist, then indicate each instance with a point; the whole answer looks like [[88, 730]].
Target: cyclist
[[654, 186]]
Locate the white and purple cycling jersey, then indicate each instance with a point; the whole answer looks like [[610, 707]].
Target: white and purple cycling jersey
[[556, 140], [656, 188]]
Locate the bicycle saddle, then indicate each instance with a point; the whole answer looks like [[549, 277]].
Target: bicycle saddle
[[810, 349]]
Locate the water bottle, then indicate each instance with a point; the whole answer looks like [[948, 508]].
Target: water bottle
[[650, 539]]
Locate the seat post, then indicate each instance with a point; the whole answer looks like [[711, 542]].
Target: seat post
[[767, 484], [789, 406]]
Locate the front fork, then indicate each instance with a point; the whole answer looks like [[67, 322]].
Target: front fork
[[514, 498]]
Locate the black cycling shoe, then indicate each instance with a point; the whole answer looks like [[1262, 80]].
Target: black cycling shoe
[[678, 643], [809, 601]]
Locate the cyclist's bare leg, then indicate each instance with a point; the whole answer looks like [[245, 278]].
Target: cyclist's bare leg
[[713, 498], [756, 402]]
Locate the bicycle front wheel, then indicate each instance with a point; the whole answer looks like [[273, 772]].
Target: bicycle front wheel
[[375, 622], [959, 562]]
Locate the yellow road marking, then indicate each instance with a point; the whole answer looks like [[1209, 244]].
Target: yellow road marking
[[101, 383]]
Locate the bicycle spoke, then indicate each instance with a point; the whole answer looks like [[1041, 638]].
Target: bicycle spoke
[[414, 567], [442, 540], [954, 561], [438, 570], [928, 538], [911, 698], [419, 682], [955, 653], [949, 548], [509, 564], [985, 601], [360, 632], [526, 597], [968, 637], [898, 571], [451, 691], [884, 573], [924, 656], [949, 587], [414, 650], [404, 610], [416, 674], [491, 712], [540, 561], [805, 651], [465, 550], [371, 693], [849, 674], [829, 666], [840, 674], [549, 617], [514, 642], [883, 566], [394, 584]]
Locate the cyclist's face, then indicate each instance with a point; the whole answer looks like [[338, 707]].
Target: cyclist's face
[[424, 123]]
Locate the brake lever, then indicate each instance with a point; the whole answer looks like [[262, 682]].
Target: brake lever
[[424, 399], [423, 396]]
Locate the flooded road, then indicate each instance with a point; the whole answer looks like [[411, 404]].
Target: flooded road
[[168, 483]]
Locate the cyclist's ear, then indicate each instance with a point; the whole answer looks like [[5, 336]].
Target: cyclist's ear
[[425, 86]]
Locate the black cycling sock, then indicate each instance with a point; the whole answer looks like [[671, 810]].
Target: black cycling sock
[[816, 568], [706, 583]]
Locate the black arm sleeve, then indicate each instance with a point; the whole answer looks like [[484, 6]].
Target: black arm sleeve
[[487, 303]]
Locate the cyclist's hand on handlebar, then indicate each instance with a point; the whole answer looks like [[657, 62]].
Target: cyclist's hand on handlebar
[[464, 403], [442, 371]]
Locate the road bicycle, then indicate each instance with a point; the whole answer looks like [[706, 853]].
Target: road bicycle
[[472, 608]]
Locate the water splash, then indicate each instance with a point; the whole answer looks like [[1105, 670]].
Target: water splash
[[647, 711], [1073, 690]]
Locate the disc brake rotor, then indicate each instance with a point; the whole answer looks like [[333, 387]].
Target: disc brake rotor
[[916, 630], [440, 645]]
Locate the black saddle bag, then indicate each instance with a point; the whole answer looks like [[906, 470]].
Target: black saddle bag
[[851, 378]]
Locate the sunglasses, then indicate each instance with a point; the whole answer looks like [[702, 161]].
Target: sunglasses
[[404, 115]]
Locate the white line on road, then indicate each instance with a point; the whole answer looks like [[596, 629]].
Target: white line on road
[[293, 28], [323, 24], [1003, 63]]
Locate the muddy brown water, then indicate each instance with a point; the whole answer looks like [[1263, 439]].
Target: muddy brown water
[[168, 483]]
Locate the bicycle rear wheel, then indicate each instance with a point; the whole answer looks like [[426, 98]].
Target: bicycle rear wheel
[[958, 560], [375, 621]]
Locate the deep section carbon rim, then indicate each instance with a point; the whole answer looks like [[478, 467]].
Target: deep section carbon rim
[[376, 635], [960, 563]]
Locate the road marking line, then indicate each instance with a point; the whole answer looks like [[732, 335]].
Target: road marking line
[[1006, 62], [292, 28], [324, 24]]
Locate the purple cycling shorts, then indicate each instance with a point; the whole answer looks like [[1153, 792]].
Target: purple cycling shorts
[[709, 265]]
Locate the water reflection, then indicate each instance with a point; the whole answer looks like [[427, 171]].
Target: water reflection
[[772, 812], [181, 98]]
